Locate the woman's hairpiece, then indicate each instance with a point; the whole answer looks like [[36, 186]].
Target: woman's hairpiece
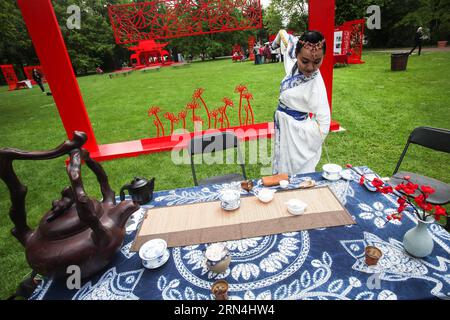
[[312, 46]]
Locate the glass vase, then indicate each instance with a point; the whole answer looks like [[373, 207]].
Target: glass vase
[[418, 241]]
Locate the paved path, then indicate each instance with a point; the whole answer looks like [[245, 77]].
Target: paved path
[[394, 50]]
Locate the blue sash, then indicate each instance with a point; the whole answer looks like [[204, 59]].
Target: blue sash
[[297, 115]]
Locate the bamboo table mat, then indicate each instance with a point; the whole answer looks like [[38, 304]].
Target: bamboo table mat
[[207, 222]]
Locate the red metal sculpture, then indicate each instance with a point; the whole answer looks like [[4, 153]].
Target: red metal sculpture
[[182, 116], [193, 105], [39, 15], [148, 53], [241, 88], [349, 42], [172, 118], [251, 44], [153, 111], [198, 96], [248, 109], [236, 53], [165, 19], [223, 111], [29, 73], [10, 76]]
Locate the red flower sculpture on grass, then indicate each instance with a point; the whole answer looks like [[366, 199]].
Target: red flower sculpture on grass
[[406, 192]]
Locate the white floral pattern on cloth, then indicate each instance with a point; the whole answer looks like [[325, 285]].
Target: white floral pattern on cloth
[[397, 265], [377, 213], [326, 263], [111, 286], [266, 261], [309, 285]]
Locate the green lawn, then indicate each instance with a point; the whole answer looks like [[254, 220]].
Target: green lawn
[[377, 107]]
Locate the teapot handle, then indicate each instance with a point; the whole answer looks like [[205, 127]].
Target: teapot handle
[[122, 193]]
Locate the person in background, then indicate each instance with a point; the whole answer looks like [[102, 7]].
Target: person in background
[[267, 53], [299, 138], [256, 52], [261, 54], [418, 37], [37, 77]]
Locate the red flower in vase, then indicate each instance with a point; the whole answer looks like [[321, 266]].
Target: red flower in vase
[[407, 198]]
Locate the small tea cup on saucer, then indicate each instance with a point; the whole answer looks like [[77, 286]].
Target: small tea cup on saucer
[[331, 171], [296, 206], [265, 194], [154, 253], [230, 199]]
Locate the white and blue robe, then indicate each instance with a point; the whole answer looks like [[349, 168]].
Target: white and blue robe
[[299, 138]]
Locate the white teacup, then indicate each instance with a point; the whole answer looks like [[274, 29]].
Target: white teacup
[[230, 199], [331, 171], [153, 253], [296, 206], [265, 194]]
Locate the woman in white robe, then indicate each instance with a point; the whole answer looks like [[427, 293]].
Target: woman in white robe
[[299, 137]]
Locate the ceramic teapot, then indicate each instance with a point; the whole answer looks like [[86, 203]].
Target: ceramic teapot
[[140, 190], [77, 230]]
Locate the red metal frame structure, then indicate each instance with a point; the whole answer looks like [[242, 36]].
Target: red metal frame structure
[[321, 18], [351, 35], [29, 73], [149, 52], [166, 19], [45, 33], [10, 76]]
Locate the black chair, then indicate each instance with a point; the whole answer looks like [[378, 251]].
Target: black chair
[[433, 138], [216, 142]]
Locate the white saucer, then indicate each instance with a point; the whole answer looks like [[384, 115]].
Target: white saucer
[[231, 208], [164, 259], [328, 178]]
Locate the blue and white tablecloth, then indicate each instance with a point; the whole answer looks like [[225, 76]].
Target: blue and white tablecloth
[[326, 263]]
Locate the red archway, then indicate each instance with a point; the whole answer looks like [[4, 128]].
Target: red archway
[[45, 33], [149, 52]]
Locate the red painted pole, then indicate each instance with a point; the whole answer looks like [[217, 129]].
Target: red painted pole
[[51, 50], [321, 18]]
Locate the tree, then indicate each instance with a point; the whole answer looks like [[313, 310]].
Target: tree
[[16, 47], [273, 20], [347, 10], [431, 14], [93, 44]]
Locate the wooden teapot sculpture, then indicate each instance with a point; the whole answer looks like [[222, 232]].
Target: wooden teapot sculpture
[[78, 230]]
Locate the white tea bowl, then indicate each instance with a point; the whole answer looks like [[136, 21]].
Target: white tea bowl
[[265, 194], [296, 206], [153, 253], [331, 171]]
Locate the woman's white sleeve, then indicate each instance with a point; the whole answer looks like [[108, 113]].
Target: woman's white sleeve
[[322, 114], [287, 43]]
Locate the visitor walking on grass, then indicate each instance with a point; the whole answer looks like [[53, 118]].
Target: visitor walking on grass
[[299, 138], [418, 37], [37, 77]]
